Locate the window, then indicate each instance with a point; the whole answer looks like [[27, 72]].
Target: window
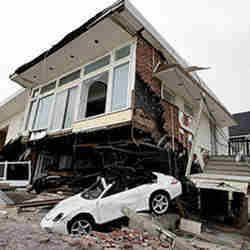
[[17, 171], [43, 112], [188, 109], [48, 88], [64, 109], [104, 88], [166, 95], [97, 65], [123, 52], [70, 108], [120, 87], [94, 91], [96, 99], [32, 112], [69, 78]]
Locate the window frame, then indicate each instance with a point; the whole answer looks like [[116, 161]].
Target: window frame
[[79, 82], [131, 59]]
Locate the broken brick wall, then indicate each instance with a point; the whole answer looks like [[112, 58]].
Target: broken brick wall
[[151, 113]]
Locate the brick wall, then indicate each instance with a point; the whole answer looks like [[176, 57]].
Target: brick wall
[[146, 59], [146, 55]]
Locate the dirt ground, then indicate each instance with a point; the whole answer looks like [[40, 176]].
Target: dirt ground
[[23, 232]]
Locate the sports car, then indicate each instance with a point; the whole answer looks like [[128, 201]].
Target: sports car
[[104, 200]]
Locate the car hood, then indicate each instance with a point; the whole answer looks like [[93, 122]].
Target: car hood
[[70, 205]]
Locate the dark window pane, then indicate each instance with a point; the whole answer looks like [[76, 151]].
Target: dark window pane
[[92, 95], [17, 171], [97, 64], [123, 52], [2, 166], [69, 78], [48, 87], [96, 99]]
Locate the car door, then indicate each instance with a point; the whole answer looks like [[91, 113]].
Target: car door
[[142, 183], [111, 203]]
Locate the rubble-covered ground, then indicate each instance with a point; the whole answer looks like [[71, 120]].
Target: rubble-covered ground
[[20, 230]]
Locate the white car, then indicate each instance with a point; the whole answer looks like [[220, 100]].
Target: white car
[[103, 202]]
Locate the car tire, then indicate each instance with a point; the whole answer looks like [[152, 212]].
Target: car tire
[[159, 203], [81, 225]]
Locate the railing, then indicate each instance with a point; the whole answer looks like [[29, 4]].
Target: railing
[[237, 145]]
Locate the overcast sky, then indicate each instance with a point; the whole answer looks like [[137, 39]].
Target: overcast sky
[[205, 33]]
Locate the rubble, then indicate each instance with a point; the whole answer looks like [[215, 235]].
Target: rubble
[[21, 230]]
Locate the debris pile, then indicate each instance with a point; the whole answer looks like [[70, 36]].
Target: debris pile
[[119, 239]]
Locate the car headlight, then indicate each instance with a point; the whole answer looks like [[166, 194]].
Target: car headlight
[[58, 217]]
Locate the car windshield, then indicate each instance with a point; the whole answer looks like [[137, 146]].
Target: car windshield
[[94, 191]]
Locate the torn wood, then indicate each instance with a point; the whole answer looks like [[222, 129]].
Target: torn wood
[[33, 204]]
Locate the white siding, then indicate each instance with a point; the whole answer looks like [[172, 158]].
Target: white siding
[[204, 135], [222, 140], [14, 124]]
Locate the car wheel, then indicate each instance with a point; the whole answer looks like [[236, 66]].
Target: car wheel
[[80, 225], [159, 203]]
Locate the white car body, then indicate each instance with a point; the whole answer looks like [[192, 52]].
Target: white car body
[[104, 209]]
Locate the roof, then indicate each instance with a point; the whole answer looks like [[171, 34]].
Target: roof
[[243, 127], [133, 23], [71, 36], [13, 104]]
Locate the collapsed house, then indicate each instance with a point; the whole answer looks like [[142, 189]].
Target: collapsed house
[[114, 93]]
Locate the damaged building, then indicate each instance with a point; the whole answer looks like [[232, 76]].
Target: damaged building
[[112, 93]]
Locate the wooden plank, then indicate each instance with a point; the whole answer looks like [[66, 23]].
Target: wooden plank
[[33, 204]]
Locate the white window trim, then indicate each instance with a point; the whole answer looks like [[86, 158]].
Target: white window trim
[[131, 59], [110, 68]]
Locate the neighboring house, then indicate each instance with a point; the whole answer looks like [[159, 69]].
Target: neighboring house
[[116, 81], [12, 116], [240, 134]]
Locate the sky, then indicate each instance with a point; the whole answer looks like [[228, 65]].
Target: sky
[[206, 33]]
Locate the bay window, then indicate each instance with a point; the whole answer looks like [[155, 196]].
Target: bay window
[[99, 87]]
